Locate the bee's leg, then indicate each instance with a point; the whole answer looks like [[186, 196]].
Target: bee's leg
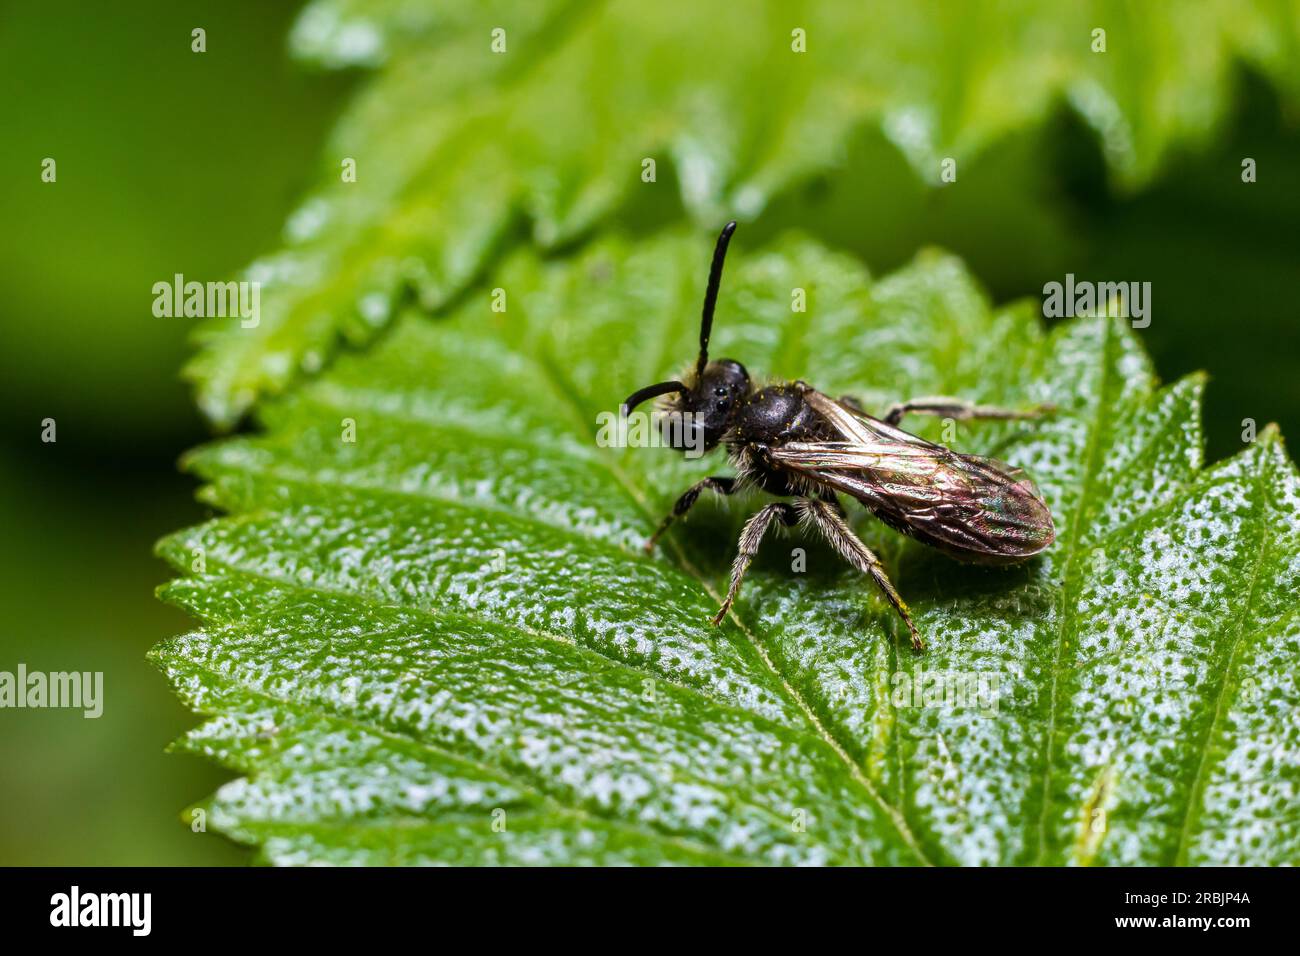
[[723, 486], [962, 411], [849, 546], [832, 499], [750, 537], [852, 404]]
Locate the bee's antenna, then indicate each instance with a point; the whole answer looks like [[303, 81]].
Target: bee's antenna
[[711, 295], [651, 391]]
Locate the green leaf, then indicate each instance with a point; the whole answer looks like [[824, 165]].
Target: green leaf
[[457, 147], [442, 641]]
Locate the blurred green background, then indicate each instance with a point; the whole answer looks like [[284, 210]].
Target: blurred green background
[[174, 162], [168, 162]]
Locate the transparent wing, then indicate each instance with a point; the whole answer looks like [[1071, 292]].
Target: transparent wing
[[974, 508]]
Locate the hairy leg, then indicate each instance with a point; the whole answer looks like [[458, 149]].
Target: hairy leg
[[831, 523], [955, 408], [750, 538]]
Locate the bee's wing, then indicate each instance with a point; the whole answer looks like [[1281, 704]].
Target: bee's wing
[[977, 509]]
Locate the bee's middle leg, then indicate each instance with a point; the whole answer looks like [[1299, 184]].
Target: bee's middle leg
[[828, 518], [959, 410], [750, 538], [723, 486]]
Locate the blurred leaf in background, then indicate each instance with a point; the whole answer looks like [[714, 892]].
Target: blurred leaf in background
[[545, 117], [1220, 253], [1222, 256]]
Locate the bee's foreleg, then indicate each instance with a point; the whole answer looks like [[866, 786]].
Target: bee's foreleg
[[750, 538], [723, 486], [849, 546], [957, 409]]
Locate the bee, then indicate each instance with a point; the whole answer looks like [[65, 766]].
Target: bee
[[797, 443]]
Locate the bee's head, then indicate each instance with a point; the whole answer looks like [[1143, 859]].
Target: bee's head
[[697, 416], [701, 408]]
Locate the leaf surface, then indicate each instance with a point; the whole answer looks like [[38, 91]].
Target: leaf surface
[[441, 642]]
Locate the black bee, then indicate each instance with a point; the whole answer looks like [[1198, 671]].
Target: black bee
[[794, 442]]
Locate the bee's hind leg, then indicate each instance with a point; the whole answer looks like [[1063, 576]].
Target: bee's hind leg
[[750, 538], [828, 517], [957, 409]]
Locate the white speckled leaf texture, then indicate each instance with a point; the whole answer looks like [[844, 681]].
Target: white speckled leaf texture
[[457, 148], [442, 642]]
